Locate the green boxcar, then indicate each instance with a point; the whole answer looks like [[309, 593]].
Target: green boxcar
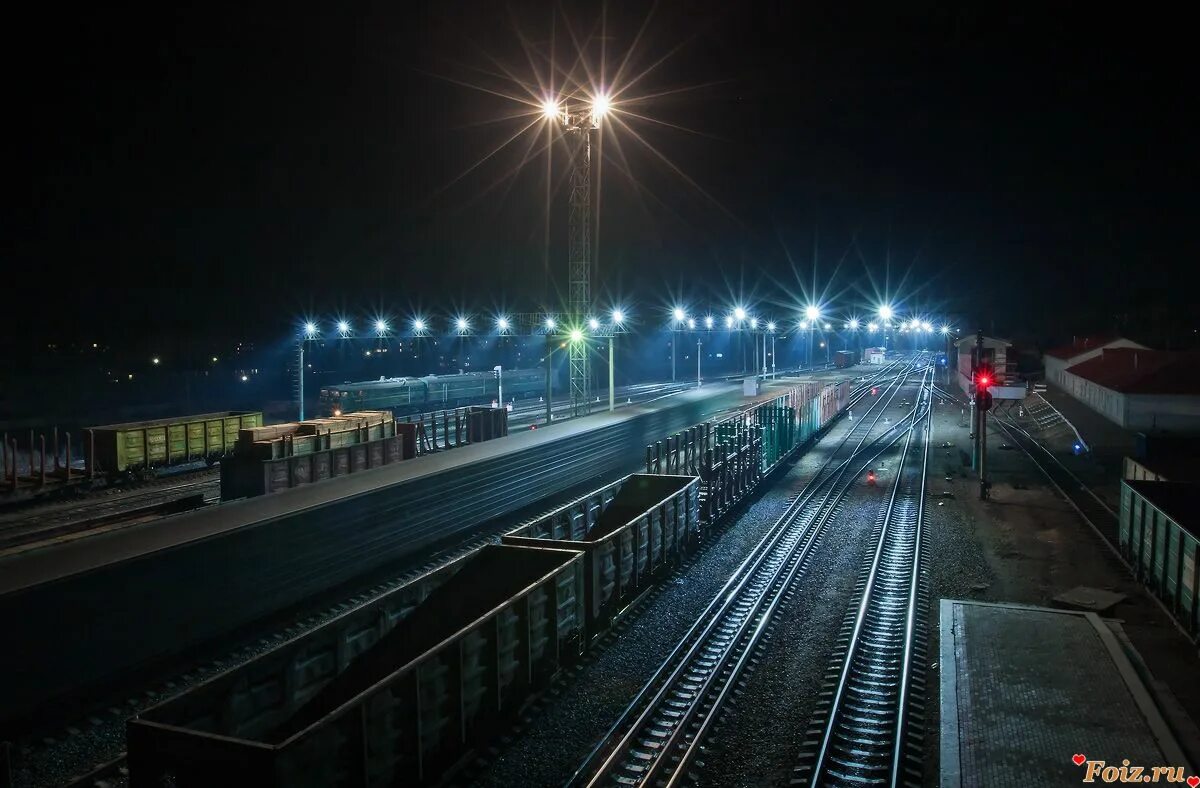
[[1159, 536], [140, 445]]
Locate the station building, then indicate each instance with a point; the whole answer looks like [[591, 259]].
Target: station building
[[1059, 359], [1138, 389], [995, 351]]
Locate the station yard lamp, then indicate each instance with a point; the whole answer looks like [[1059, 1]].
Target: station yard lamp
[[618, 318], [812, 314]]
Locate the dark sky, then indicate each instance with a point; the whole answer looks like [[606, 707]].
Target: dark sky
[[226, 171]]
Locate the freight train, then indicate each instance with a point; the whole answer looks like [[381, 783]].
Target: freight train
[[408, 395]]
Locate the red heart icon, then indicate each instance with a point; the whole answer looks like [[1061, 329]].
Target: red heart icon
[[1193, 781], [1079, 758]]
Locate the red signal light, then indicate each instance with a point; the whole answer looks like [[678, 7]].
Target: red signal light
[[871, 477], [984, 380]]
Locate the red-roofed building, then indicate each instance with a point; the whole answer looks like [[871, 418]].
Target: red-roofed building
[[1058, 359], [1138, 389]]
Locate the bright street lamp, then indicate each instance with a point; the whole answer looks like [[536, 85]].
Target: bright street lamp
[[550, 109], [618, 316], [812, 313], [381, 327], [872, 327], [593, 324], [708, 322], [310, 329], [418, 325], [343, 327], [679, 315], [550, 324], [853, 324], [502, 324], [885, 312], [739, 313], [601, 104], [576, 335], [691, 323]]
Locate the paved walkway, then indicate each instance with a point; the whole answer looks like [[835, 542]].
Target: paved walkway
[[1027, 691]]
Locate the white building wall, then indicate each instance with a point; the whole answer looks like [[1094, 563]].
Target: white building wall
[[1106, 402], [1178, 413]]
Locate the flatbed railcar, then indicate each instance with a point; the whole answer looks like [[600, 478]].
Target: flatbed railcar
[[410, 394], [140, 447]]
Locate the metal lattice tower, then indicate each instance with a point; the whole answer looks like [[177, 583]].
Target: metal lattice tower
[[579, 249]]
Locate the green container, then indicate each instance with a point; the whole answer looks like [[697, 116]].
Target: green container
[[138, 445]]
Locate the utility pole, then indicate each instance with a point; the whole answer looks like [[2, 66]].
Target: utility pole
[[612, 341], [674, 336], [698, 363], [300, 348], [549, 374]]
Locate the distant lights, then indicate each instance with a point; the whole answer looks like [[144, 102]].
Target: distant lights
[[381, 326], [310, 329], [154, 361], [754, 322], [872, 327], [343, 327], [419, 325], [618, 316], [678, 314], [945, 329], [503, 324], [729, 322], [708, 321], [550, 324], [771, 326], [593, 324], [803, 325], [739, 313], [462, 324], [244, 378], [853, 324], [691, 323]]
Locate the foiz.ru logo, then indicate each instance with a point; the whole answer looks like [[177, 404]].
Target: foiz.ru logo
[[1101, 771]]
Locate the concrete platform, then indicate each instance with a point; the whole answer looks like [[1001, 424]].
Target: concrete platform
[[1026, 692], [95, 610]]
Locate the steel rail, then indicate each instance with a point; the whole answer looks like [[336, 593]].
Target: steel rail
[[862, 740], [780, 553]]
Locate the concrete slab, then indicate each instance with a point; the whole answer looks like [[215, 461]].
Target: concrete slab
[[1034, 696], [1092, 600]]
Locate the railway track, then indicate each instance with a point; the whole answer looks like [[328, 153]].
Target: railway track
[[117, 509], [859, 736], [660, 733]]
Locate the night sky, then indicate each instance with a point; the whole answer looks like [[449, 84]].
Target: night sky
[[227, 171]]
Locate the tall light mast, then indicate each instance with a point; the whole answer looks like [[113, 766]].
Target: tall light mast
[[579, 120]]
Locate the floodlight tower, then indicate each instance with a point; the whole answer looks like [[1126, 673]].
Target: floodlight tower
[[579, 120]]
